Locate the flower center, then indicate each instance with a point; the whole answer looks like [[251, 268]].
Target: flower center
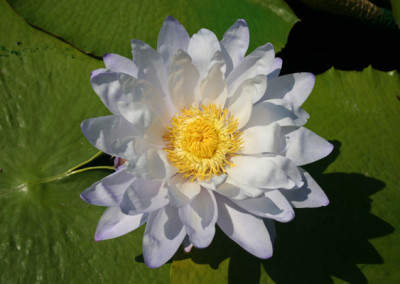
[[200, 141]]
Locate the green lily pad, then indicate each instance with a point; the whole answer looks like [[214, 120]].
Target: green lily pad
[[47, 231], [396, 11], [355, 238], [99, 27]]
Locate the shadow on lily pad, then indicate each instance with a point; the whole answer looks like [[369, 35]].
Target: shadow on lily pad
[[319, 243]]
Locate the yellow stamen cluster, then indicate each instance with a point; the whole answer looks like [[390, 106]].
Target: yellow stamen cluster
[[201, 140]]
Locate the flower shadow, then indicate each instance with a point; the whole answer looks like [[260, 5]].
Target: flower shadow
[[318, 243]]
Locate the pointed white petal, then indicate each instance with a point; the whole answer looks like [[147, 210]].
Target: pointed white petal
[[292, 87], [304, 146], [144, 196], [152, 164], [199, 217], [109, 190], [202, 47], [120, 64], [163, 235], [150, 65], [108, 85], [272, 205], [309, 195], [182, 81], [240, 106], [258, 62], [111, 134], [244, 228], [258, 173], [263, 139], [213, 88], [114, 224], [275, 69], [182, 191], [172, 37], [236, 41]]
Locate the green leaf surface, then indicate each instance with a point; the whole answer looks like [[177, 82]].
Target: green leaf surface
[[47, 231], [355, 238], [102, 26], [396, 10]]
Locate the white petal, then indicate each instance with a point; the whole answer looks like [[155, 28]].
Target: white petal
[[182, 191], [199, 217], [254, 87], [172, 37], [111, 134], [266, 112], [256, 63], [240, 106], [292, 87], [108, 86], [163, 235], [109, 190], [272, 205], [259, 173], [236, 41], [304, 146], [152, 164], [263, 139], [182, 80], [202, 47], [120, 64], [231, 191], [309, 196], [275, 69], [245, 229], [213, 88], [144, 196], [114, 224], [246, 190], [150, 65], [140, 115], [290, 169], [214, 182]]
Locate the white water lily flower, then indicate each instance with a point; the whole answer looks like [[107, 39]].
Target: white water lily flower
[[210, 137]]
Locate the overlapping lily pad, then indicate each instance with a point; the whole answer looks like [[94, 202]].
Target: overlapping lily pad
[[354, 238], [102, 26]]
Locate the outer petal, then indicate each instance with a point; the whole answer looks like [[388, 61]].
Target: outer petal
[[199, 217], [275, 69], [272, 205], [259, 173], [182, 81], [304, 146], [114, 224], [235, 42], [120, 64], [172, 37], [202, 47], [292, 87], [309, 195], [163, 235], [182, 191], [263, 139], [144, 196], [245, 229], [151, 66], [108, 85], [267, 112], [111, 134], [241, 106], [256, 63], [152, 164], [109, 190]]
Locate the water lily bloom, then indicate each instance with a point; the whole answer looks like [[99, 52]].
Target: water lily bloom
[[210, 137]]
